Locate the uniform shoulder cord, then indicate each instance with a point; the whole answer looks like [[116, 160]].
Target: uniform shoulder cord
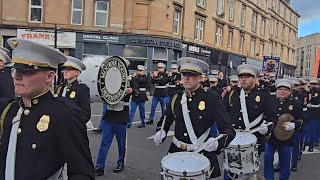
[[174, 98], [230, 96], [58, 90], [3, 115]]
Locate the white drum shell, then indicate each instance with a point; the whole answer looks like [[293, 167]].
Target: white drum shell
[[241, 156], [185, 165]]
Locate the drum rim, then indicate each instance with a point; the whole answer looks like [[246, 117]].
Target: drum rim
[[244, 145], [190, 174]]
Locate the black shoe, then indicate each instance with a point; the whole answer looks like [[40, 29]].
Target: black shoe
[[97, 130], [310, 150], [142, 125], [128, 125], [118, 169], [98, 171], [294, 169], [317, 144], [149, 122]]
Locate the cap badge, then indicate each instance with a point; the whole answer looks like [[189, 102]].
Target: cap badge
[[43, 124], [72, 94], [15, 43], [188, 60], [296, 98], [202, 105], [257, 99], [290, 107]]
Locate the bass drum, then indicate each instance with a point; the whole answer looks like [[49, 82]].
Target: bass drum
[[106, 76]]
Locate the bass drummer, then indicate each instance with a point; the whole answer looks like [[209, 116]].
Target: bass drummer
[[194, 110], [250, 105], [289, 114]]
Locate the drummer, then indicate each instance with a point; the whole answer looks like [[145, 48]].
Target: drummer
[[192, 110], [258, 106], [281, 138]]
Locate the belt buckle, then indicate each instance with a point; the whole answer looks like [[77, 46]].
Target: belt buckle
[[183, 146]]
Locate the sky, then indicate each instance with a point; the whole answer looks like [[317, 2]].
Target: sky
[[310, 16]]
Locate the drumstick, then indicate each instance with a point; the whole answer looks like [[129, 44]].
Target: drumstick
[[204, 144], [259, 128]]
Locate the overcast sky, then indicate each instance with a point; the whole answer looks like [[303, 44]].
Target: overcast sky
[[310, 16]]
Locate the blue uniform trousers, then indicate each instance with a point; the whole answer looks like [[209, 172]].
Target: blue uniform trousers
[[109, 129], [284, 161], [104, 110], [133, 106], [312, 133], [214, 130], [155, 100], [167, 100], [297, 148]]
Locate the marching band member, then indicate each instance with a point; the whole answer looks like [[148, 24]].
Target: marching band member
[[213, 80], [313, 114], [281, 139], [73, 90], [193, 111], [141, 97], [250, 105], [159, 79], [272, 88], [114, 123], [6, 81], [41, 132]]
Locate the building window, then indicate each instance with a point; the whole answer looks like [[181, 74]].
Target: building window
[[275, 51], [220, 7], [283, 29], [243, 16], [263, 26], [230, 36], [176, 21], [281, 51], [231, 10], [35, 12], [160, 53], [254, 22], [95, 49], [289, 35], [276, 29], [294, 39], [278, 8], [254, 1], [285, 13], [272, 26], [274, 5], [252, 45], [101, 17], [201, 3], [76, 17], [270, 49], [241, 41], [137, 52], [199, 29], [219, 31], [261, 48]]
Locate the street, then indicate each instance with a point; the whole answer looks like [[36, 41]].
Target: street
[[143, 156]]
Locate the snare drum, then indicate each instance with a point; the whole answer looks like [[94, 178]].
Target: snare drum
[[241, 156], [185, 165], [106, 77]]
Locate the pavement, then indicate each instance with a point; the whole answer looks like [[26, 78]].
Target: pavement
[[144, 157]]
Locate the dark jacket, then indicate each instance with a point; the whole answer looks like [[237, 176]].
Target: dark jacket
[[201, 118], [174, 85], [40, 154], [161, 81], [79, 94], [6, 84], [143, 83]]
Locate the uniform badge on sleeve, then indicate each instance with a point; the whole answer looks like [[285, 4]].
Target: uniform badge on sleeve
[[316, 94], [43, 124], [202, 105], [72, 94], [290, 107], [257, 99]]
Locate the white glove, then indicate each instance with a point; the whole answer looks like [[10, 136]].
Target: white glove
[[211, 144], [290, 126], [308, 105], [264, 129], [159, 136]]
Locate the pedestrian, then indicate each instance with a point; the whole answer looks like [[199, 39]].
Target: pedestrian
[[141, 97], [41, 132], [258, 106], [285, 105], [194, 110], [159, 79], [6, 81], [114, 123]]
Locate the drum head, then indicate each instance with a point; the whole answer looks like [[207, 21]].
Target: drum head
[[189, 162], [112, 79], [243, 139]]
